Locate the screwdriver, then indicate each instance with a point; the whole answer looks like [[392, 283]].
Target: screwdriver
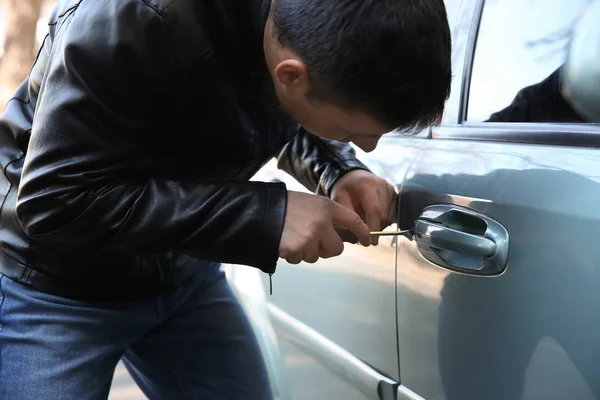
[[406, 233], [349, 237]]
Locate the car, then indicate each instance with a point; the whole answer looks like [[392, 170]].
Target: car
[[496, 295]]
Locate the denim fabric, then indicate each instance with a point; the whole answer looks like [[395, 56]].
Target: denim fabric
[[193, 342]]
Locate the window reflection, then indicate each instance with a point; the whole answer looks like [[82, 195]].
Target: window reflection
[[542, 102], [516, 72]]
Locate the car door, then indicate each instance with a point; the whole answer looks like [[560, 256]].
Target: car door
[[499, 290], [335, 320]]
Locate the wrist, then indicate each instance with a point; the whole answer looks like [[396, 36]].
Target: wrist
[[333, 174]]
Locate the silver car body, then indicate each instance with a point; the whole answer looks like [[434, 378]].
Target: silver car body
[[387, 322]]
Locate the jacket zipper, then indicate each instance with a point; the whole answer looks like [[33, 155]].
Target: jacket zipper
[[270, 271]]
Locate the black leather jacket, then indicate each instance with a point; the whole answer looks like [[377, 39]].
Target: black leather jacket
[[127, 152]]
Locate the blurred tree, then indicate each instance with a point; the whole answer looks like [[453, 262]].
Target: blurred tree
[[19, 42]]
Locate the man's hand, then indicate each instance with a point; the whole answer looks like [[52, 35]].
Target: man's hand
[[309, 229], [369, 196]]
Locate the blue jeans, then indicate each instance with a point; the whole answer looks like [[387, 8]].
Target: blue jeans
[[193, 342]]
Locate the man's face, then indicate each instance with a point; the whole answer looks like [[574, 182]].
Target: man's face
[[321, 118], [331, 122]]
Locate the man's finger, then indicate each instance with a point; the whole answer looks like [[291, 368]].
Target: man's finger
[[370, 202], [294, 258], [392, 215], [346, 236], [346, 219], [332, 245], [311, 254], [344, 199]]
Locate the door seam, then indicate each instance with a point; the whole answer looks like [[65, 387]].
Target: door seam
[[408, 169]]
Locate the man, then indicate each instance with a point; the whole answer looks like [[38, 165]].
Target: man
[[126, 156]]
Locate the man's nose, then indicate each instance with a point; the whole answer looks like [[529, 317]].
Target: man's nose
[[366, 144]]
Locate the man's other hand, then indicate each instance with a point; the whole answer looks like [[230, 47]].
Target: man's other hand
[[369, 196]]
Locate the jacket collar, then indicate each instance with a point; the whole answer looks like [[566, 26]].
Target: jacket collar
[[260, 18]]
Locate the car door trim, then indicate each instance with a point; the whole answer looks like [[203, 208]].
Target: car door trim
[[577, 135], [341, 362], [246, 283], [469, 58], [405, 393]]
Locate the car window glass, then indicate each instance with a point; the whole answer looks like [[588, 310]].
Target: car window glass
[[460, 15], [521, 46]]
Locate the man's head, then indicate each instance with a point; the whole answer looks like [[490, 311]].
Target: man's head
[[352, 70]]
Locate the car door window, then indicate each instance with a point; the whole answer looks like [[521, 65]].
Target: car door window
[[521, 46], [460, 15]]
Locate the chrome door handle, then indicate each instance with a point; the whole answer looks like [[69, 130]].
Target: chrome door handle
[[441, 237], [462, 240]]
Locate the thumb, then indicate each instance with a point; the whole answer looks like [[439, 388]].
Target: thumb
[[346, 219]]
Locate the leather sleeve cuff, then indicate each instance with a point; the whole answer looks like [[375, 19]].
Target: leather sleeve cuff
[[272, 229], [337, 168]]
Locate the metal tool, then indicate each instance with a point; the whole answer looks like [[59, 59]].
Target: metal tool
[[406, 233]]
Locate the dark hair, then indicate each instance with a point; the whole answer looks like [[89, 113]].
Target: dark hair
[[387, 58]]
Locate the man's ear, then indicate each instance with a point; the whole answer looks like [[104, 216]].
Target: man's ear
[[292, 77]]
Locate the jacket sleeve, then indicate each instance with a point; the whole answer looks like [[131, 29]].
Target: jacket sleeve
[[80, 188], [317, 163]]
